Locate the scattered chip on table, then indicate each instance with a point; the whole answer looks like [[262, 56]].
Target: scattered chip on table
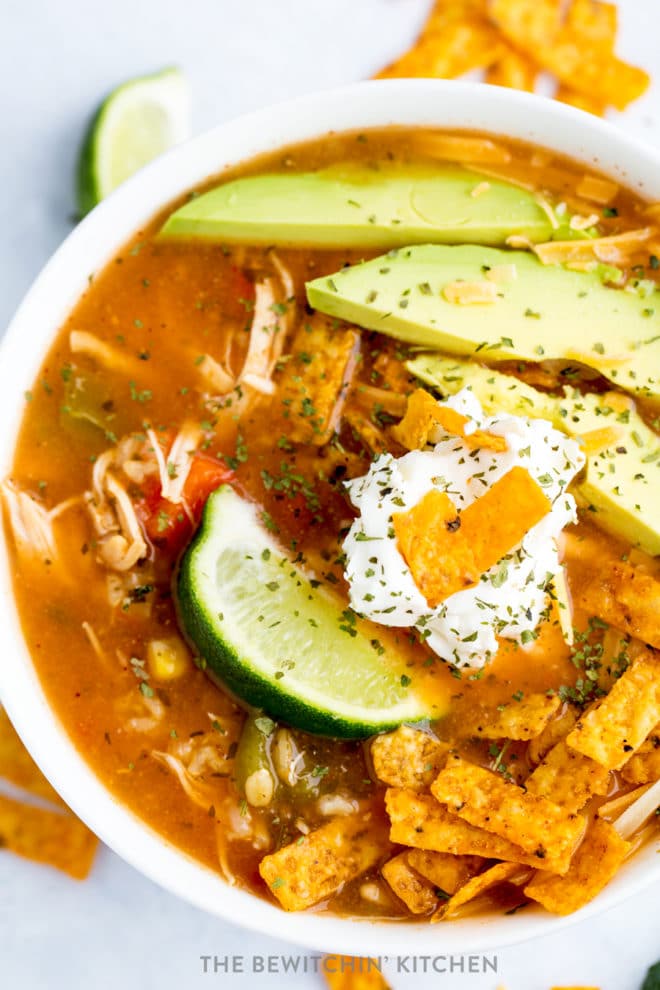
[[18, 767], [407, 758], [595, 863], [481, 884], [353, 973], [316, 865], [612, 731], [567, 778], [513, 70], [416, 892], [484, 799], [520, 720], [50, 837]]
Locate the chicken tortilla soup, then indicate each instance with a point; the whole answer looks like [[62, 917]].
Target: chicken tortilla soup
[[335, 526]]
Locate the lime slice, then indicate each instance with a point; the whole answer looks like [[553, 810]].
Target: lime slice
[[136, 122], [277, 640]]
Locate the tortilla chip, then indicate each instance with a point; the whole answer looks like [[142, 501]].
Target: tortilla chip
[[597, 189], [316, 865], [484, 799], [364, 431], [447, 551], [481, 884], [513, 70], [554, 732], [568, 779], [315, 378], [445, 871], [419, 821], [18, 767], [594, 22], [58, 840], [625, 597], [407, 758], [521, 720], [424, 414], [594, 864], [461, 148], [530, 25], [644, 766], [459, 46], [583, 101], [616, 249], [612, 731], [417, 893], [353, 973]]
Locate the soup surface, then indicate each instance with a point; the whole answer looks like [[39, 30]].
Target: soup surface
[[141, 410]]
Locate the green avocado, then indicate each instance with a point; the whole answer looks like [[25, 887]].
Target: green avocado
[[361, 207], [619, 483], [539, 312]]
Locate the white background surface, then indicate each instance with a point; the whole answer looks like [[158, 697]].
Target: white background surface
[[57, 60]]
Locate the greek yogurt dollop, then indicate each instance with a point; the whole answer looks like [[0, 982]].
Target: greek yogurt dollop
[[511, 599]]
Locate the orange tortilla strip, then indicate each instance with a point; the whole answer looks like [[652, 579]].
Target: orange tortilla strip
[[317, 865], [513, 70], [448, 49], [58, 840], [481, 884], [407, 758], [583, 101], [644, 766], [484, 799], [18, 767], [594, 864], [448, 551], [554, 732], [614, 730], [568, 779], [424, 414], [353, 973], [521, 720], [417, 893], [446, 871], [625, 597], [594, 23], [418, 820]]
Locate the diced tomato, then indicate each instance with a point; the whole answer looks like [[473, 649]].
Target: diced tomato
[[169, 525], [241, 286]]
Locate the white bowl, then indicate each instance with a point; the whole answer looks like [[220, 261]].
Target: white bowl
[[86, 250]]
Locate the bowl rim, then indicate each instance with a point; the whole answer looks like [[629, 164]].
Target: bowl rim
[[453, 105]]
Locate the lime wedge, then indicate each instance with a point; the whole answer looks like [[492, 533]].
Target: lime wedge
[[277, 640], [138, 121]]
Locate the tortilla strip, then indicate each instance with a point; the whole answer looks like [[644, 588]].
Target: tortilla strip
[[523, 719], [625, 597], [424, 414], [597, 189], [481, 884], [594, 864], [353, 973], [513, 70], [487, 801], [444, 53], [616, 728], [644, 766], [407, 758], [446, 871], [448, 551], [417, 893], [614, 249], [58, 840], [567, 778], [315, 866], [18, 767], [418, 820], [554, 732], [316, 378]]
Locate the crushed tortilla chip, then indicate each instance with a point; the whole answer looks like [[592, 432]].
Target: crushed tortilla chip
[[424, 414], [448, 551], [567, 778], [554, 732], [418, 820], [316, 865], [446, 871], [462, 293], [596, 441], [523, 719], [513, 70], [407, 758], [417, 893], [484, 799], [18, 767], [56, 839], [364, 431], [353, 973], [597, 189], [594, 864], [612, 731], [625, 597], [316, 377], [481, 884], [612, 250], [644, 766]]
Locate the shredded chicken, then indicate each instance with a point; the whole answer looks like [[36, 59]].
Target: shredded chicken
[[82, 342], [639, 812], [31, 524], [121, 543], [174, 472]]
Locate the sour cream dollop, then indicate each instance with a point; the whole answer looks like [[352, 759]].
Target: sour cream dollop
[[511, 598]]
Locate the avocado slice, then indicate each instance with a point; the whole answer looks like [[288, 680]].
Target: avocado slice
[[619, 483], [545, 311], [357, 206]]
